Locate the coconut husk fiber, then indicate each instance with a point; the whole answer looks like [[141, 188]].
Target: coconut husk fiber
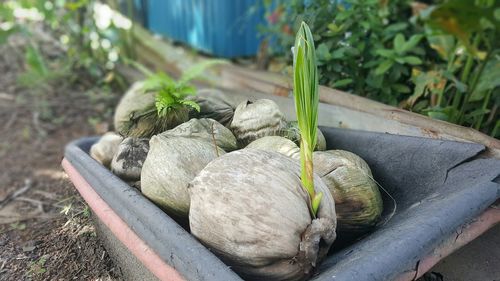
[[249, 207], [105, 148], [357, 198], [253, 120], [172, 162]]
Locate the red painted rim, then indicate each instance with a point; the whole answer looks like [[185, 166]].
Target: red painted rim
[[120, 229]]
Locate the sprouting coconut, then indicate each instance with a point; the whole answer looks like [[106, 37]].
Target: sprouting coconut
[[129, 158], [292, 132], [208, 130], [253, 120], [134, 100], [170, 106], [213, 106], [276, 144], [264, 214], [105, 148], [250, 208], [357, 198], [172, 162]]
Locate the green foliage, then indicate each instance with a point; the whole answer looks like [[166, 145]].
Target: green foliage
[[364, 47], [171, 94], [305, 89], [439, 60], [171, 106], [90, 36]]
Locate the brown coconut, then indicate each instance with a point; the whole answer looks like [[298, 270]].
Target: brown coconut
[[105, 148], [249, 207], [357, 198], [171, 164], [253, 120]]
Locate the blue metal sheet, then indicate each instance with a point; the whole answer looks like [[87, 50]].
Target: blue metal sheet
[[224, 28]]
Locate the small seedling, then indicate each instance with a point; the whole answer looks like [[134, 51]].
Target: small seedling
[[305, 89]]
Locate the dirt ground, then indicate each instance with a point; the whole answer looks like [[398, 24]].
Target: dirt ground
[[45, 229]]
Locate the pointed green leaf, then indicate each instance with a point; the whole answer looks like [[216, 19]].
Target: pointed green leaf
[[383, 67], [399, 42]]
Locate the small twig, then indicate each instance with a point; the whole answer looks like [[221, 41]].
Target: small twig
[[11, 121], [213, 139], [17, 193]]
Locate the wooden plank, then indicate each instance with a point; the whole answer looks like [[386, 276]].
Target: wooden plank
[[344, 110]]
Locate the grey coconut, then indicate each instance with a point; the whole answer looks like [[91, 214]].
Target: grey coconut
[[357, 198], [208, 130], [129, 158], [105, 148], [253, 120], [133, 100], [249, 207], [212, 105], [292, 132], [276, 144], [171, 164]]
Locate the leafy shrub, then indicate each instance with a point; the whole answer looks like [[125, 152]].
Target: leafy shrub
[[437, 60]]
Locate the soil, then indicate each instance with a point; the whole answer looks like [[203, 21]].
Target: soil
[[45, 228]]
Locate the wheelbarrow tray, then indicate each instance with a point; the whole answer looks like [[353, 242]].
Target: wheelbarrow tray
[[442, 193]]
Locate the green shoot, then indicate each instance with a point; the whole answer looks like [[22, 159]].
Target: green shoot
[[305, 89], [171, 94], [171, 106]]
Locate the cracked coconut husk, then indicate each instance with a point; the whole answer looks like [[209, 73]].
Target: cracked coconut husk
[[172, 162], [253, 120], [357, 197], [249, 207]]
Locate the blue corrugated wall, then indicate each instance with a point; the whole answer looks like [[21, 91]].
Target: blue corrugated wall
[[224, 28]]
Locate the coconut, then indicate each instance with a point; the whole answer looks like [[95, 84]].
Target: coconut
[[357, 198], [105, 148], [292, 132], [253, 120], [276, 144], [249, 207], [171, 164], [213, 106], [208, 130], [134, 100], [129, 158]]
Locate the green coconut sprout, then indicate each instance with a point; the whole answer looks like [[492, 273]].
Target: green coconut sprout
[[305, 89], [171, 106]]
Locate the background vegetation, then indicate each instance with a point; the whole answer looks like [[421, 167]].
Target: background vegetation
[[440, 60]]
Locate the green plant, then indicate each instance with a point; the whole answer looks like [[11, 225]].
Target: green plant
[[364, 47], [462, 86], [89, 35], [305, 90], [171, 106]]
